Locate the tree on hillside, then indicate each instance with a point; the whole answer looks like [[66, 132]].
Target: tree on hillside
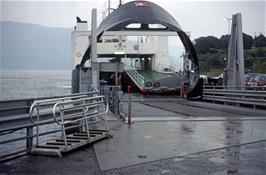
[[203, 44], [213, 61], [260, 41], [247, 41], [224, 42]]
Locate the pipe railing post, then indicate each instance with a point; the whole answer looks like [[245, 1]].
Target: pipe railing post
[[29, 141], [129, 89]]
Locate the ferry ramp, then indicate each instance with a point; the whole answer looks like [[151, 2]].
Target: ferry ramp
[[150, 81], [151, 75]]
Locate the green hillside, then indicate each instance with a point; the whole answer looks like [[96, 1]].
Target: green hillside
[[212, 53]]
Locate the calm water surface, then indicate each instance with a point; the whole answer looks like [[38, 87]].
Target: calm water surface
[[19, 84]]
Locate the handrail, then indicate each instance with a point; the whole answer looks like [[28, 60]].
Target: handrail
[[87, 106], [70, 96], [135, 75], [37, 103], [234, 91], [233, 87], [257, 94]]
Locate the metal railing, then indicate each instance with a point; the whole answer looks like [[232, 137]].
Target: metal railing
[[42, 109], [135, 75], [83, 105], [40, 113], [242, 96], [19, 106], [254, 88]]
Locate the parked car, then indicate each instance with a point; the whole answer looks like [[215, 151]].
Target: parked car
[[258, 80], [249, 76]]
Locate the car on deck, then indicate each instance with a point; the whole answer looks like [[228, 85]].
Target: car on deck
[[258, 80]]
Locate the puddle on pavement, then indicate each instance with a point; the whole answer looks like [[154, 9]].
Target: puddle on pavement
[[217, 159]]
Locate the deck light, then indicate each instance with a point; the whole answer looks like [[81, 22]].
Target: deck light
[[119, 53]]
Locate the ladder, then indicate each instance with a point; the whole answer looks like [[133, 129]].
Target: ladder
[[80, 120]]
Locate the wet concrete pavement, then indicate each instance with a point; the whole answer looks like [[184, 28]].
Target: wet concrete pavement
[[163, 141], [149, 141], [246, 159]]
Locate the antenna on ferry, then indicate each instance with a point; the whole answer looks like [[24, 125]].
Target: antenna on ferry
[[120, 3]]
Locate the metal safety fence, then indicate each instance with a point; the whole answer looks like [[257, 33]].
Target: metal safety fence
[[241, 96]]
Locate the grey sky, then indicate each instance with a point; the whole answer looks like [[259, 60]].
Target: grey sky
[[201, 18]]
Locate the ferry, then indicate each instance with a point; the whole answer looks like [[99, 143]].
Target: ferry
[[132, 49], [144, 60]]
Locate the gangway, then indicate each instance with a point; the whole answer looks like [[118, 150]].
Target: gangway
[[151, 75], [136, 77], [80, 120]]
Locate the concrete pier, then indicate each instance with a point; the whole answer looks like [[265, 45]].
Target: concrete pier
[[169, 136]]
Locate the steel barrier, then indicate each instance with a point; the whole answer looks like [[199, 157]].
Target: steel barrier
[[242, 96]]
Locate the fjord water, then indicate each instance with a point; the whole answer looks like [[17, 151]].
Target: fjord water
[[19, 84]]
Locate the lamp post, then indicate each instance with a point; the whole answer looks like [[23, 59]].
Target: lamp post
[[225, 70], [229, 20]]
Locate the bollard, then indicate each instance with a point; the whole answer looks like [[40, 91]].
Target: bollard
[[129, 90]]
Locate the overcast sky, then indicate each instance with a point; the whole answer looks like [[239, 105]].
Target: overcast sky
[[201, 18]]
